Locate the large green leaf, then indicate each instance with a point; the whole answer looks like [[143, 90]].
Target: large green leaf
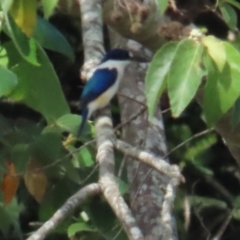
[[49, 37], [185, 75], [39, 87], [156, 75], [222, 88], [229, 15], [8, 81], [26, 46]]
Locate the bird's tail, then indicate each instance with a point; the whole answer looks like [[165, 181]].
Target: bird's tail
[[84, 119]]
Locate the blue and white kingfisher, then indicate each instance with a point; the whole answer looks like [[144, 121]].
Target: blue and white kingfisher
[[104, 82]]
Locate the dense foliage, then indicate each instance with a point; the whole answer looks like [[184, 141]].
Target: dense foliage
[[42, 163]]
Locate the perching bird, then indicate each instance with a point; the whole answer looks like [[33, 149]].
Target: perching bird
[[104, 82]]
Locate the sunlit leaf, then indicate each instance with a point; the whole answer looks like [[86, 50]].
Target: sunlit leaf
[[5, 5], [79, 227], [49, 37], [222, 88], [216, 50], [86, 158], [184, 75], [24, 14], [156, 75], [48, 7]]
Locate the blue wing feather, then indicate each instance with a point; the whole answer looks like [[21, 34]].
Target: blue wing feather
[[101, 80]]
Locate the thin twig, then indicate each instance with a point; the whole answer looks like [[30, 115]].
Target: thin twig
[[188, 140], [223, 227]]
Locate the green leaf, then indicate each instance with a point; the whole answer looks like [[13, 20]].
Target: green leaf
[[123, 186], [205, 202], [46, 148], [8, 81], [229, 15], [156, 75], [20, 155], [85, 157], [162, 5], [3, 57], [234, 3], [39, 87], [216, 50], [79, 227], [49, 37], [200, 146], [5, 5], [9, 216], [236, 114], [24, 14], [71, 122], [222, 88], [184, 75], [71, 171], [26, 46], [48, 7]]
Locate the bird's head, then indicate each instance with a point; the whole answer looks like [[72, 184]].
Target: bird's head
[[121, 55]]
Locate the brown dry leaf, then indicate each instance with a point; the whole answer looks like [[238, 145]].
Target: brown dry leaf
[[35, 180], [10, 183]]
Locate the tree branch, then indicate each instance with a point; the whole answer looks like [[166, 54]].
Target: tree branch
[[91, 18], [109, 187], [160, 165], [76, 200]]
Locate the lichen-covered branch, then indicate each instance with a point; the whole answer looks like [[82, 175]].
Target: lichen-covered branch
[[160, 165], [91, 19], [105, 158], [76, 200]]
